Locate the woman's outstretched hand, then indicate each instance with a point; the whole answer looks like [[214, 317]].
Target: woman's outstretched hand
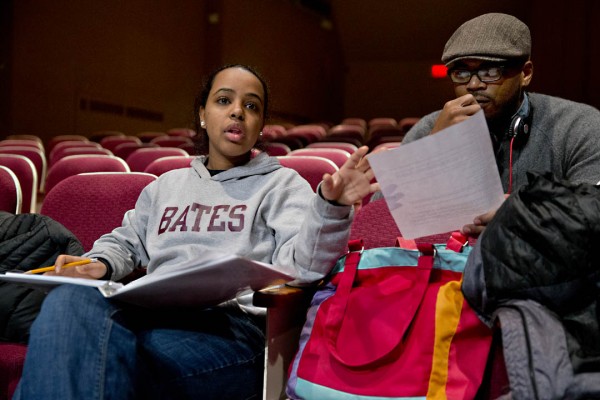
[[352, 182]]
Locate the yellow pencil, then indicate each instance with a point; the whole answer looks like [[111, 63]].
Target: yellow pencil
[[67, 265]]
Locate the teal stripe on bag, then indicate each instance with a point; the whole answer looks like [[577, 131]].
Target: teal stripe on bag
[[309, 390], [395, 256]]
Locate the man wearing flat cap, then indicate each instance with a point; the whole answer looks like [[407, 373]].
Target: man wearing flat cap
[[488, 60]]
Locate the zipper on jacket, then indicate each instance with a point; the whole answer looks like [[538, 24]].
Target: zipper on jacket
[[529, 353]]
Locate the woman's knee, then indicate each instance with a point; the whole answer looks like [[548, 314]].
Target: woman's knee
[[241, 380], [65, 294], [67, 302]]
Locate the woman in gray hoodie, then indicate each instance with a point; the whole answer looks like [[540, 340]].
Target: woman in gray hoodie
[[84, 346]]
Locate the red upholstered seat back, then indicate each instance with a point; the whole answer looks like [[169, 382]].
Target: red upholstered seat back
[[22, 142], [141, 158], [67, 144], [64, 149], [185, 132], [349, 147], [110, 142], [25, 171], [78, 164], [164, 164], [37, 157], [10, 191], [307, 133], [123, 150], [277, 149], [171, 141], [92, 204], [339, 157], [375, 225], [12, 356], [62, 138], [310, 168], [347, 133]]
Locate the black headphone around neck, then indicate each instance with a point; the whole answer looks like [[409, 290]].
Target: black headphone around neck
[[519, 128]]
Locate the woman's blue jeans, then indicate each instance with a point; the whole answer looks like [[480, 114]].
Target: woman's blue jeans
[[83, 346]]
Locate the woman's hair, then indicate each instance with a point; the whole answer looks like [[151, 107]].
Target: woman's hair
[[201, 139]]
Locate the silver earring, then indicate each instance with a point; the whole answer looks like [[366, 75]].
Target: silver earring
[[260, 133], [202, 124]]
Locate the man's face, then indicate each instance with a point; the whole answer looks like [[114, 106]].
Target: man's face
[[501, 98]]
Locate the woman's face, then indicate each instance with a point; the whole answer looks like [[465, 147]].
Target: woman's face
[[233, 116]]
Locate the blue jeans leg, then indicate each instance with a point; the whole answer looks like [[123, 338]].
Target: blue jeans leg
[[219, 355], [85, 347], [74, 345]]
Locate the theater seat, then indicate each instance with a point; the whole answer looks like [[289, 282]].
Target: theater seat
[[141, 158], [12, 356], [78, 164], [310, 168], [10, 191], [92, 204], [339, 157], [37, 157], [165, 164], [27, 176]]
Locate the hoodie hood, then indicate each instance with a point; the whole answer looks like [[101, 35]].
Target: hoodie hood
[[259, 165]]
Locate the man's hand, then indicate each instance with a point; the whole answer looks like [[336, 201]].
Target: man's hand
[[455, 111], [479, 223]]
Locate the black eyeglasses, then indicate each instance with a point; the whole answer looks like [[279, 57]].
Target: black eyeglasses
[[487, 74]]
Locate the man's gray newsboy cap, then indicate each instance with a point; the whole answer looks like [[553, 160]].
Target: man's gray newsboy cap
[[492, 37]]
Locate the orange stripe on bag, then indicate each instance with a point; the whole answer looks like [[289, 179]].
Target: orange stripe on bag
[[447, 316]]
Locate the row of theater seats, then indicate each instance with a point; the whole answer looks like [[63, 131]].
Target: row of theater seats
[[314, 149], [39, 168], [350, 133]]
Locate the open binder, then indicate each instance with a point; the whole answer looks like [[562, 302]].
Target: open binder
[[208, 284]]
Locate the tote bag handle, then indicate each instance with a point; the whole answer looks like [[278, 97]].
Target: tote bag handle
[[407, 298]]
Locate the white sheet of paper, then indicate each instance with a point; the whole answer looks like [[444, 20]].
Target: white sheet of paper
[[206, 283], [441, 182]]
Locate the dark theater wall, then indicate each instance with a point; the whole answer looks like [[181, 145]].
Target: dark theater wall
[[566, 49], [81, 66], [389, 49], [292, 45]]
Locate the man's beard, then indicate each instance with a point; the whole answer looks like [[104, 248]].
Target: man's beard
[[499, 123]]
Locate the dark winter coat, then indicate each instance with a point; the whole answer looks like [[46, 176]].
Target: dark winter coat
[[27, 241], [536, 270]]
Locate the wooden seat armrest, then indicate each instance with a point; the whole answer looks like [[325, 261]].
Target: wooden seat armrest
[[283, 296], [286, 313]]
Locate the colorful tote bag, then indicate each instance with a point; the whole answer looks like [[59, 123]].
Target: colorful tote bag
[[392, 324]]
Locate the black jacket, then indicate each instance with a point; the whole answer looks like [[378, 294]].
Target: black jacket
[[27, 241], [542, 245]]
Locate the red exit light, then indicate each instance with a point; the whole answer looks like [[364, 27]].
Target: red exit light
[[438, 71]]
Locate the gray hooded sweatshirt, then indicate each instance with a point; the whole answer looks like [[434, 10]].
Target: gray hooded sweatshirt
[[259, 210]]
